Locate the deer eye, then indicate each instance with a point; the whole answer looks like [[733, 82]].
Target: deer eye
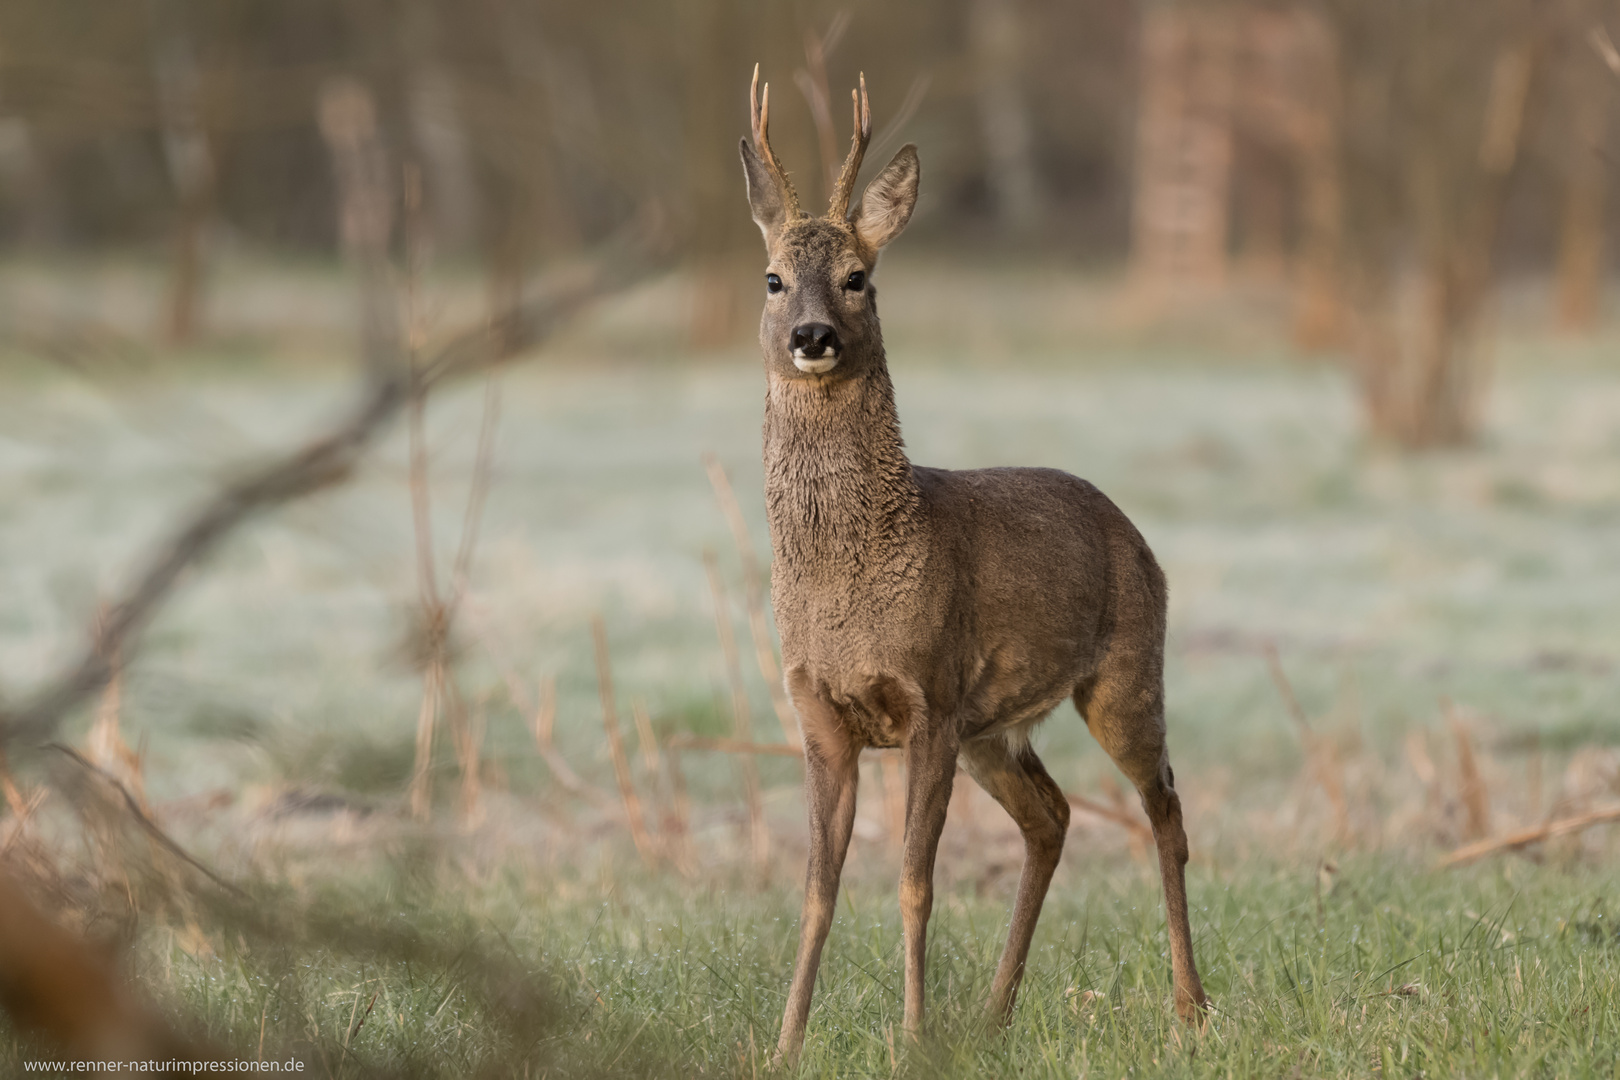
[[773, 284], [856, 282]]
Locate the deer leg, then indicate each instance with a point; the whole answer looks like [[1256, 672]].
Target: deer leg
[[1020, 783], [830, 781], [1127, 719], [930, 772], [1163, 808]]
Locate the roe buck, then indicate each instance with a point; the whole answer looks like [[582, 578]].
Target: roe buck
[[943, 612]]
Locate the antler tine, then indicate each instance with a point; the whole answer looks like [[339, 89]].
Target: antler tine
[[857, 150], [759, 116]]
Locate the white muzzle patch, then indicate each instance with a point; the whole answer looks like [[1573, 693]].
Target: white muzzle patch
[[819, 365]]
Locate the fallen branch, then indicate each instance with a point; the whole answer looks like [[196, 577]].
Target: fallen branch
[[1535, 833], [316, 465]]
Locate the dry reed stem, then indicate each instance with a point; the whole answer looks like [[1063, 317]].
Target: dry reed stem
[[1522, 837], [1475, 795], [421, 790], [1321, 757], [754, 599], [742, 727], [621, 761]]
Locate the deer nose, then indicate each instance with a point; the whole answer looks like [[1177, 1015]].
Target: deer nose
[[811, 340]]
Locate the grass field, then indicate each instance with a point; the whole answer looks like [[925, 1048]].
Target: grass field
[[1488, 577]]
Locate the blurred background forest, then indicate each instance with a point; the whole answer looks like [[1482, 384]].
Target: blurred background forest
[[463, 706]]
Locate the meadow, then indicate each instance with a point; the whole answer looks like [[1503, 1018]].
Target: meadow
[[1449, 623]]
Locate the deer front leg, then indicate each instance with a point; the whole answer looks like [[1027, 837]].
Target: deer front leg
[[830, 780], [931, 769]]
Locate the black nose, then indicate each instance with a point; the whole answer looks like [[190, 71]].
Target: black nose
[[812, 339]]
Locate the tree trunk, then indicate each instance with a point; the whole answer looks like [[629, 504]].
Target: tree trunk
[[996, 29], [1580, 233]]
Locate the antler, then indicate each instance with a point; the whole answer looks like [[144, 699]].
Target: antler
[[857, 150], [759, 114]]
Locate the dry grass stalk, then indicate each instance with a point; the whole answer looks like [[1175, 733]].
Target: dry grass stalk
[[1320, 755], [733, 746], [621, 761], [650, 763], [542, 713], [678, 820], [545, 718], [742, 727], [1475, 795], [22, 810], [467, 733], [1533, 775], [753, 599], [105, 744], [1523, 837]]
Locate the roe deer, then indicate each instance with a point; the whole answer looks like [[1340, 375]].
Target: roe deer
[[943, 612]]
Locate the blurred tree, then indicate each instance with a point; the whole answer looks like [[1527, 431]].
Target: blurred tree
[[1436, 96]]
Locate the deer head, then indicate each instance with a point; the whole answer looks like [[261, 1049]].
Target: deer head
[[820, 317]]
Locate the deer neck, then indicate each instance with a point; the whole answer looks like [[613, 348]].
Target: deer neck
[[839, 490]]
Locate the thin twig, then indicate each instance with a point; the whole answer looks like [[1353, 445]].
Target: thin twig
[[151, 827], [1523, 837]]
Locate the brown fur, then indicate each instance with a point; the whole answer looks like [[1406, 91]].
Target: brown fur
[[943, 612]]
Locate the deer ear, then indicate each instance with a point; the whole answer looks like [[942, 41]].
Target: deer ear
[[765, 200], [888, 200]]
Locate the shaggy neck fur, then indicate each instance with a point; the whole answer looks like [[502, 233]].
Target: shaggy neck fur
[[839, 492]]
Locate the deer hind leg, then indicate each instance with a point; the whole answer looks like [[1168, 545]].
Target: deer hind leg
[[1124, 708], [830, 781], [1015, 777]]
